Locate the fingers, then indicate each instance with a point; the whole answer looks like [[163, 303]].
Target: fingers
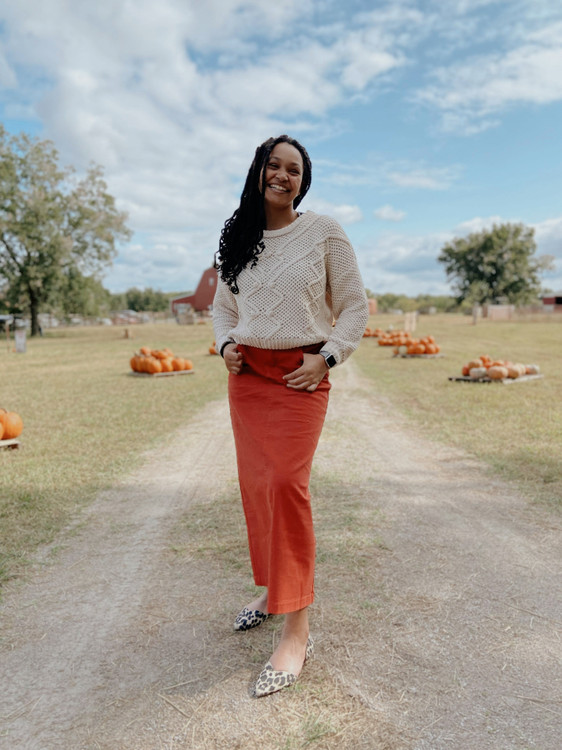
[[309, 375], [232, 359]]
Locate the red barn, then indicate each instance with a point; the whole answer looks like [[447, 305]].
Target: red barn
[[203, 297], [552, 302]]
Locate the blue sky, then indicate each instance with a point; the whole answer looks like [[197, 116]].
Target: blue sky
[[425, 119]]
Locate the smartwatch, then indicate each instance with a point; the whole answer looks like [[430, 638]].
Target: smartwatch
[[330, 359]]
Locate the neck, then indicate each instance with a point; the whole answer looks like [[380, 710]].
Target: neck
[[279, 218]]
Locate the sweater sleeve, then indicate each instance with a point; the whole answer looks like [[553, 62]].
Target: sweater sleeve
[[346, 292], [225, 314]]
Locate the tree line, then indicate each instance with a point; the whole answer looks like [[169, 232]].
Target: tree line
[[59, 232]]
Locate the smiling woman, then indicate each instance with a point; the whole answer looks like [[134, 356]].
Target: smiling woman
[[282, 184], [284, 278]]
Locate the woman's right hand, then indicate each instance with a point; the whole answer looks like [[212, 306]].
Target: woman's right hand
[[232, 358]]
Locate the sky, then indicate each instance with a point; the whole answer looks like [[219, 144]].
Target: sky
[[425, 120]]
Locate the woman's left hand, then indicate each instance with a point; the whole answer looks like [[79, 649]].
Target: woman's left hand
[[309, 374]]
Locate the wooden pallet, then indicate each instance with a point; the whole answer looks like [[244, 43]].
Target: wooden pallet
[[505, 381], [419, 356], [161, 374], [13, 443]]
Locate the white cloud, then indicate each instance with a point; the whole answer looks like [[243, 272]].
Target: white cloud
[[173, 97], [404, 264], [548, 236], [388, 213], [471, 93], [477, 224], [425, 178], [408, 264], [343, 212]]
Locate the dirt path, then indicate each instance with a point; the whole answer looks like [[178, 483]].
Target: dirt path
[[438, 617]]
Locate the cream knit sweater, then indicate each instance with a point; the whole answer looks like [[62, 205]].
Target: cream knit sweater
[[306, 277]]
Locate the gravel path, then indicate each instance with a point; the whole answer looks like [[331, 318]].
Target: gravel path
[[116, 641]]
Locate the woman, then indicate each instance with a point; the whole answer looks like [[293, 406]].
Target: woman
[[284, 277]]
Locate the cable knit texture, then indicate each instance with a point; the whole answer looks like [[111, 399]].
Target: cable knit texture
[[306, 278]]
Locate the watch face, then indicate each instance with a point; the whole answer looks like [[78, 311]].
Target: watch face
[[331, 360]]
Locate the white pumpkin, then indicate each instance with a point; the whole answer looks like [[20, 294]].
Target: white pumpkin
[[475, 373]]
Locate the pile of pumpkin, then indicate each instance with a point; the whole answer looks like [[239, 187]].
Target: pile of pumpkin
[[11, 424], [154, 361], [416, 347], [486, 368], [374, 332]]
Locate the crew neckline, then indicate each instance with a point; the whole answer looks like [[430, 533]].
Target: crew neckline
[[288, 228]]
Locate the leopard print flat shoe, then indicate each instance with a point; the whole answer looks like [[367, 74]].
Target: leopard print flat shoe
[[249, 618], [272, 680]]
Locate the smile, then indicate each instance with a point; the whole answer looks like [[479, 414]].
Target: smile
[[279, 189]]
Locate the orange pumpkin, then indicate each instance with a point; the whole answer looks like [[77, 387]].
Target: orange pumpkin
[[146, 350], [497, 372], [12, 424], [154, 366], [166, 364], [187, 364], [474, 363], [177, 364]]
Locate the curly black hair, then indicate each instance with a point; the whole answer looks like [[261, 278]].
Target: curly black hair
[[241, 240]]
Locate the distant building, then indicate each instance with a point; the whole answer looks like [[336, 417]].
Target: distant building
[[552, 302], [203, 297], [129, 317], [498, 312]]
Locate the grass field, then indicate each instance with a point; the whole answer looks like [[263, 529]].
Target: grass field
[[516, 428], [87, 421]]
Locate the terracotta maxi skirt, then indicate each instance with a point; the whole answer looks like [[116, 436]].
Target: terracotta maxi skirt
[[276, 431]]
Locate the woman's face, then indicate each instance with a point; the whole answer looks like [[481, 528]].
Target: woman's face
[[283, 176]]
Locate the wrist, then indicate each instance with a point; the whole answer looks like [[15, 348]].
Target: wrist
[[329, 358], [223, 347]]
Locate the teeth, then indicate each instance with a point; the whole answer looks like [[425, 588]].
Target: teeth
[[279, 188]]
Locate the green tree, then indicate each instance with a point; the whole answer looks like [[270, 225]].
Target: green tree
[[82, 295], [50, 222], [389, 301], [147, 300], [495, 266]]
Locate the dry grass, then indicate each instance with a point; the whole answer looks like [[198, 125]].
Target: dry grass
[[86, 421], [516, 429]]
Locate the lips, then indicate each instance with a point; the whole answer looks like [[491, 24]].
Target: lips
[[278, 188]]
